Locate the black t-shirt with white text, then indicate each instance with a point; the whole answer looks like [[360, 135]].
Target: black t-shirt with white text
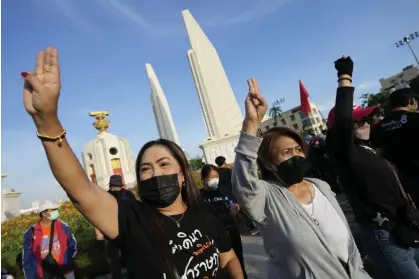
[[194, 246], [397, 135], [220, 199]]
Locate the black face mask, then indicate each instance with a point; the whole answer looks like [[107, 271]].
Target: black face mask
[[160, 191], [292, 171]]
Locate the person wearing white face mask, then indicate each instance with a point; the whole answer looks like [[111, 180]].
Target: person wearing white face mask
[[224, 205], [49, 246]]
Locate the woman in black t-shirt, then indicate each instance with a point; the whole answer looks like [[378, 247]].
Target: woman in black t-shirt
[[224, 205], [166, 235], [172, 220]]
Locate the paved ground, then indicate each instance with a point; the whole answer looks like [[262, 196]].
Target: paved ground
[[254, 257]]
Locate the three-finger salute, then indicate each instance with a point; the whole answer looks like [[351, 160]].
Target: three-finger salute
[[256, 108]]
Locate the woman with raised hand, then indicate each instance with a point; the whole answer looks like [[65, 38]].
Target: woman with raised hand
[[168, 234], [304, 230]]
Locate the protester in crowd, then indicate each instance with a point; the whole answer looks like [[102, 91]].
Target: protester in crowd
[[224, 206], [49, 246], [371, 184], [112, 249], [397, 137], [304, 230], [414, 84], [225, 181], [116, 188], [225, 173], [169, 234]]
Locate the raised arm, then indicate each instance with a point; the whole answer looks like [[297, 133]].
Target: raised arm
[[343, 130], [248, 189], [40, 98]]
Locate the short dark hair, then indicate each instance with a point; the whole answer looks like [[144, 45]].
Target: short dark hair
[[414, 84], [401, 97], [205, 171], [220, 160]]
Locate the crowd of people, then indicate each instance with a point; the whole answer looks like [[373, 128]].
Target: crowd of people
[[285, 189]]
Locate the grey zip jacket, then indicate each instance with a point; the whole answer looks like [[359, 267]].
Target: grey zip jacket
[[294, 244]]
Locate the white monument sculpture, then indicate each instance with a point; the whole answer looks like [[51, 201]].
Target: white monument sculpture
[[108, 154], [221, 112], [10, 203], [162, 114]]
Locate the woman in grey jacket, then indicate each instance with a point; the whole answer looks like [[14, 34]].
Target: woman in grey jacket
[[305, 232]]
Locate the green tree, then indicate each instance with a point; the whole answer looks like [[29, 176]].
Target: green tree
[[378, 99], [276, 111], [196, 163]]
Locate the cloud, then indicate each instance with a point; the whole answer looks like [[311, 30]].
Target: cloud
[[368, 85], [121, 10], [71, 12], [136, 17], [260, 9]]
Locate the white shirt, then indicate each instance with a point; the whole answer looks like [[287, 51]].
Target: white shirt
[[330, 224]]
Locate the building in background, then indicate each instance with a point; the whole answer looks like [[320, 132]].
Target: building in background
[[10, 202], [294, 118], [399, 80], [108, 154], [221, 112], [164, 120]]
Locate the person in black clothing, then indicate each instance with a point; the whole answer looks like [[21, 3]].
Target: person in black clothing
[[224, 172], [112, 249], [397, 137], [370, 183], [224, 205], [225, 181], [169, 233], [116, 188]]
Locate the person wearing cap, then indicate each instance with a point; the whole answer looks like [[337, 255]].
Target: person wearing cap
[[49, 246], [371, 184], [116, 188], [397, 137]]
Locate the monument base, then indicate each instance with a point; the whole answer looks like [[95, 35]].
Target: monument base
[[225, 146]]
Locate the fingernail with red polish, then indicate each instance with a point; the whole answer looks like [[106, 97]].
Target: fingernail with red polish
[[24, 74]]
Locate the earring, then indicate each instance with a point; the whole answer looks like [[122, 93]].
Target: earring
[[183, 184]]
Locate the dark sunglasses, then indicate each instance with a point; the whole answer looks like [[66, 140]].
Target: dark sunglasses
[[361, 122]]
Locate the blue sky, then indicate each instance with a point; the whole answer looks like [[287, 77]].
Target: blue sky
[[104, 44]]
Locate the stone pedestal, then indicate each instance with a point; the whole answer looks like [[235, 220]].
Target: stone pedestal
[[225, 146]]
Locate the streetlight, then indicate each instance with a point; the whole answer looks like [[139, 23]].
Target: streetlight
[[406, 41]]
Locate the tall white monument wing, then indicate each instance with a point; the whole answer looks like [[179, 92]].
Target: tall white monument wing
[[164, 120], [222, 115]]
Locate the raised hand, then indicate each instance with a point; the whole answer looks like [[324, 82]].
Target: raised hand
[[42, 87], [344, 66], [256, 106]]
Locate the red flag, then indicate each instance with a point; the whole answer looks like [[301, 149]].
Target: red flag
[[305, 105]]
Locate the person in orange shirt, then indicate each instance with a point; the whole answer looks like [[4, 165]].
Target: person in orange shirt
[[49, 247]]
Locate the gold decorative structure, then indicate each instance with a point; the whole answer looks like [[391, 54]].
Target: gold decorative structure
[[101, 124]]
